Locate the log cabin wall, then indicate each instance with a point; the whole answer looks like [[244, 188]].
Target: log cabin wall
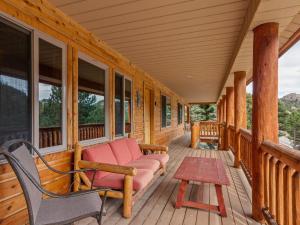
[[43, 17]]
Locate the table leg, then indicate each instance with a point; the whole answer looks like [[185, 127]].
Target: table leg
[[220, 200], [181, 192]]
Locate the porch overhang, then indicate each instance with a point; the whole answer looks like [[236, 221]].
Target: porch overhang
[[185, 44]]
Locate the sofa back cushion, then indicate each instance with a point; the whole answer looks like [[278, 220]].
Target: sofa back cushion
[[134, 148], [101, 153], [120, 149]]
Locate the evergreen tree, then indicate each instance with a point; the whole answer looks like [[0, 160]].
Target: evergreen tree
[[203, 112]]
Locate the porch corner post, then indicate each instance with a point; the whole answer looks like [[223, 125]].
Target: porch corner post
[[265, 105], [240, 114], [229, 113]]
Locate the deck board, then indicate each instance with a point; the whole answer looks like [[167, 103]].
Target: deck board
[[156, 207]]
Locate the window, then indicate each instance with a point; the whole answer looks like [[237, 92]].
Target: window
[[91, 99], [50, 95], [15, 83], [32, 88], [165, 111], [179, 113], [123, 105], [128, 106]]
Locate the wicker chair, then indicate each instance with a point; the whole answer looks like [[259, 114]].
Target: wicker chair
[[59, 208]]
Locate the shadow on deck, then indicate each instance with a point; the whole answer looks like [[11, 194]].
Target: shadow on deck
[[157, 204]]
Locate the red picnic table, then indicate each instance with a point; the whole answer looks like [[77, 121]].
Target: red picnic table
[[205, 170]]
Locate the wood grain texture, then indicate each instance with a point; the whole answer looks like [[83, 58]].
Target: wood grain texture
[[240, 111], [44, 17], [264, 116], [229, 113]]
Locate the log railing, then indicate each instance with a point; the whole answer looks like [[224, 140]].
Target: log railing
[[91, 131], [209, 129], [281, 179], [205, 131], [245, 139], [231, 136], [52, 136]]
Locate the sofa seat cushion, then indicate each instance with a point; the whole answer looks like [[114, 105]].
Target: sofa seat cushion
[[148, 164], [101, 153], [162, 158], [134, 148], [120, 149], [116, 181]]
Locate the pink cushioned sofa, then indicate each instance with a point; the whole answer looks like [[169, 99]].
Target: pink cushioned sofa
[[124, 166]]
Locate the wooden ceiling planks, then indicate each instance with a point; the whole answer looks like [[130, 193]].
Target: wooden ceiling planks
[[177, 39]]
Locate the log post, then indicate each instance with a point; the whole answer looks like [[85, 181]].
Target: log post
[[224, 108], [229, 113], [127, 204], [195, 133], [265, 105], [222, 121], [240, 114]]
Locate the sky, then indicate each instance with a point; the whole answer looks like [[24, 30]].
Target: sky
[[288, 72]]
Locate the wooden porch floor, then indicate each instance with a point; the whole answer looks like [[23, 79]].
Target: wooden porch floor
[[157, 204]]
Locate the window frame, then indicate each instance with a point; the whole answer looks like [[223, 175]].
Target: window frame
[[104, 67], [167, 96], [125, 77], [36, 36]]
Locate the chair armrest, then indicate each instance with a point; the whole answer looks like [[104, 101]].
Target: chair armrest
[[153, 148], [126, 170]]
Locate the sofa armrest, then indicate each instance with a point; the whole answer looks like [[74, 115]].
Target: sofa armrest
[[154, 148], [126, 170]]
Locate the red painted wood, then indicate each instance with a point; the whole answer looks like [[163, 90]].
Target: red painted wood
[[181, 192], [200, 205], [220, 198], [204, 170]]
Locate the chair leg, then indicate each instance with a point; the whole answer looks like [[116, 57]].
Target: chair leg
[[99, 219], [127, 203]]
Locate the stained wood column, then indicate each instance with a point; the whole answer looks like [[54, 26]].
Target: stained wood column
[[224, 108], [229, 113], [218, 112], [222, 120], [265, 104], [240, 113]]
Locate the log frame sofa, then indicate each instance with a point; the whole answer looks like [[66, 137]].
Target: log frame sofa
[[129, 193]]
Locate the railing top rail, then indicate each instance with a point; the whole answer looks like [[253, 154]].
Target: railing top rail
[[209, 121], [246, 133], [231, 127], [286, 155]]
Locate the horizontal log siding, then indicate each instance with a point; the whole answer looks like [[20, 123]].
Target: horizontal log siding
[[46, 18]]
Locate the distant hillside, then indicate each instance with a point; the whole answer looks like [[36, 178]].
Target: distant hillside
[[291, 99]]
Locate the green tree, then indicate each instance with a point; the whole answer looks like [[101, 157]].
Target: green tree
[[249, 110], [203, 112], [51, 109]]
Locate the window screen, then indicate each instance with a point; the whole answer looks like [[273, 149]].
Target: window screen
[[15, 83]]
